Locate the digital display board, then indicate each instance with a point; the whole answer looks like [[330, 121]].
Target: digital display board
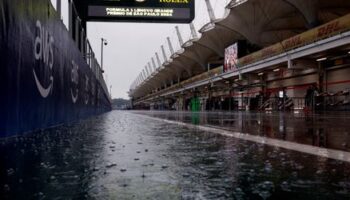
[[166, 11]]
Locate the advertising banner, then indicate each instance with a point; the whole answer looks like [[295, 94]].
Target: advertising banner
[[231, 58], [44, 77], [329, 29]]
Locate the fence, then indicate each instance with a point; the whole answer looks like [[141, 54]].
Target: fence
[[79, 35]]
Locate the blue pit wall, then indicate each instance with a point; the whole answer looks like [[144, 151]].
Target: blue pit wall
[[44, 79]]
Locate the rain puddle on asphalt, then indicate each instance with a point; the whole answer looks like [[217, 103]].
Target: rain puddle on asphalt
[[121, 155]]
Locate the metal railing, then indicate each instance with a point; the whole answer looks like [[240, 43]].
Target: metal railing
[[283, 104], [79, 35]]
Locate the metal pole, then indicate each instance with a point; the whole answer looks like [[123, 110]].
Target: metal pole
[[164, 54], [77, 32], [82, 41], [70, 17], [58, 8], [170, 46], [110, 91], [179, 36], [154, 64], [158, 60], [103, 43], [102, 54], [144, 74], [193, 31], [148, 73], [149, 68], [210, 11]]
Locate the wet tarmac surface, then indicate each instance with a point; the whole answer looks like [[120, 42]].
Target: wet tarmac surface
[[328, 130], [122, 155]]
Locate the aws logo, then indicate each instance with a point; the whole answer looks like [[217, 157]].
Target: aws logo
[[43, 52]]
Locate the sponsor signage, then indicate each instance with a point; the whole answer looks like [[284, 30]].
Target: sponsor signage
[[326, 30], [231, 58], [52, 82], [165, 11]]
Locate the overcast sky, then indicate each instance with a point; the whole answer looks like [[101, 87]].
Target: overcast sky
[[132, 45]]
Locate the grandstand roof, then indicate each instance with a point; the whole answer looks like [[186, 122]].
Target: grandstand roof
[[261, 22]]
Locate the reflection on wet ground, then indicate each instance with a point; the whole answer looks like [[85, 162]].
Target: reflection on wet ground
[[328, 130], [122, 155]]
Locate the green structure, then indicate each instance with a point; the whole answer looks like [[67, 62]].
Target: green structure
[[195, 104]]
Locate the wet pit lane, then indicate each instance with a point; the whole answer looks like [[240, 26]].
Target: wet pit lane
[[123, 155]]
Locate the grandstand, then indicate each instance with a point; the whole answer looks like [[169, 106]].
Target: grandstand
[[262, 55]]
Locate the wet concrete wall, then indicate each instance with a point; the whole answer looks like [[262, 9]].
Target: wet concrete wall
[[45, 80]]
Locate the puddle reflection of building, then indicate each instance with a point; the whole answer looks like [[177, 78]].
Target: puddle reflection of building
[[323, 131], [315, 130], [195, 118]]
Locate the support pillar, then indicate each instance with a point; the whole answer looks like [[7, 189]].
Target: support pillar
[[83, 41], [77, 31], [179, 36], [164, 54], [149, 68], [210, 11], [70, 17], [158, 61], [144, 74], [170, 46], [154, 64], [321, 77], [193, 31]]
